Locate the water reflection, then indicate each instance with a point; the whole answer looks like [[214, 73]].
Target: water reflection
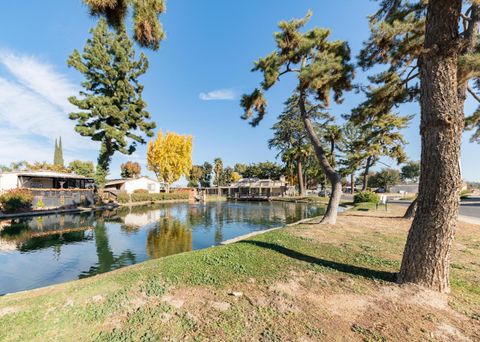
[[44, 250]]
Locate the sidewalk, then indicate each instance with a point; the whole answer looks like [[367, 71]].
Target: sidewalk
[[469, 219]]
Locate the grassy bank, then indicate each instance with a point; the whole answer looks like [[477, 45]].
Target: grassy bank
[[307, 282], [302, 199]]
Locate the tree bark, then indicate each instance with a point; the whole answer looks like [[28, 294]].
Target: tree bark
[[352, 183], [365, 174], [427, 252], [103, 163], [301, 185], [330, 216], [411, 210]]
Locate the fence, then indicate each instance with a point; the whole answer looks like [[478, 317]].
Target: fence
[[62, 198]]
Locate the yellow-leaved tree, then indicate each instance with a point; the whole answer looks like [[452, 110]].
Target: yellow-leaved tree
[[169, 156]]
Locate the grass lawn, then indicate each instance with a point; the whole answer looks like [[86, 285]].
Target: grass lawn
[[308, 282], [302, 199]]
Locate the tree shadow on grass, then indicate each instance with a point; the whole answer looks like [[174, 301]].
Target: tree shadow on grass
[[345, 268]]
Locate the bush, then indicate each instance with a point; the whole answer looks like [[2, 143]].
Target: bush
[[366, 197], [142, 197], [40, 204], [465, 193], [16, 200], [123, 197], [141, 191]]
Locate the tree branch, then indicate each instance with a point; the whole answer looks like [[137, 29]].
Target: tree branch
[[475, 95]]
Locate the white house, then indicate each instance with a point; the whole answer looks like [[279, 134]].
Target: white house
[[129, 185]]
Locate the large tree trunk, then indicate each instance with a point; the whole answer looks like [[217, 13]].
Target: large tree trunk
[[411, 210], [365, 174], [427, 253], [301, 185], [352, 183], [103, 163], [330, 216]]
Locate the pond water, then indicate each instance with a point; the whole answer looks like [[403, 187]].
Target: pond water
[[45, 250]]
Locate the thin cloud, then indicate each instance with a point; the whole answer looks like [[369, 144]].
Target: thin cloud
[[34, 111], [218, 95]]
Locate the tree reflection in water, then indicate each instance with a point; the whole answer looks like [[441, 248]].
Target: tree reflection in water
[[107, 261], [169, 237]]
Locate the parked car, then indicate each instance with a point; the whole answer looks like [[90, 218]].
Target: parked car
[[380, 191]]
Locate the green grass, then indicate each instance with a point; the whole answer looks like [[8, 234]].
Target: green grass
[[302, 199], [91, 309]]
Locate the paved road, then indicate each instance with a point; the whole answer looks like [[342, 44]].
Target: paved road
[[469, 207]]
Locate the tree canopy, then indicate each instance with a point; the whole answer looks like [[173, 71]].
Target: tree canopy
[[169, 156], [148, 30], [130, 170], [112, 110]]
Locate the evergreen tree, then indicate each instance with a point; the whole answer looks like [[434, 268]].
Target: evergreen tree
[[205, 180], [82, 168], [322, 67], [431, 46], [148, 31], [55, 153], [291, 139], [60, 161], [112, 109]]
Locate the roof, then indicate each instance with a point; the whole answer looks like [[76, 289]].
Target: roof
[[125, 180], [256, 182], [46, 174]]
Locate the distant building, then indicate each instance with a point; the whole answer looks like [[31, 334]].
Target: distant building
[[129, 185], [405, 188], [51, 189], [252, 188]]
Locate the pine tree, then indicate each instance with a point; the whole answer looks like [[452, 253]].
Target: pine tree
[[322, 67], [112, 109], [291, 139], [429, 59], [148, 31]]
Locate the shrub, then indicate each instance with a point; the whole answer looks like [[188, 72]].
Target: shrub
[[141, 197], [16, 200], [123, 197], [40, 204], [464, 194], [366, 197], [141, 191]]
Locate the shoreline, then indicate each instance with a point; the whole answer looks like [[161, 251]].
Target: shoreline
[[223, 243]]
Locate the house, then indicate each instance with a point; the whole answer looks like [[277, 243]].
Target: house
[[252, 188], [129, 185], [51, 189]]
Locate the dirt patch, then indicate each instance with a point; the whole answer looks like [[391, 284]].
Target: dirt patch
[[9, 310]]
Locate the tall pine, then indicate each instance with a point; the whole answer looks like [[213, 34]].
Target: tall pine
[[322, 70], [112, 110], [431, 49]]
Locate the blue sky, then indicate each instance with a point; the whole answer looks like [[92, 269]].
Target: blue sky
[[193, 84]]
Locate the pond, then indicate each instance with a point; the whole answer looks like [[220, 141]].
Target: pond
[[45, 250]]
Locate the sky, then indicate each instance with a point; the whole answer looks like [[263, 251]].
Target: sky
[[193, 85]]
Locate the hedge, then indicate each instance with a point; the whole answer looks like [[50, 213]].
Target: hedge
[[366, 197], [145, 197], [16, 200]]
